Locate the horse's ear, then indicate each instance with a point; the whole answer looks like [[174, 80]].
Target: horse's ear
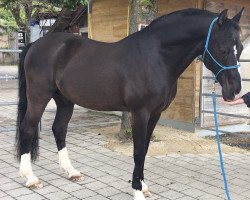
[[222, 17], [237, 17]]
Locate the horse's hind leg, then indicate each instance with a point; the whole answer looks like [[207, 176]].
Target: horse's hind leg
[[28, 141], [63, 115]]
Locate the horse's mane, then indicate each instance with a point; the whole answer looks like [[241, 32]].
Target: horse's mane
[[183, 13], [187, 13]]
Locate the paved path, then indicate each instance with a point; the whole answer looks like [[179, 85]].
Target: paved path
[[108, 174]]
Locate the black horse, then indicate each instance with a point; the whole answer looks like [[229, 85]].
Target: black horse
[[137, 74]]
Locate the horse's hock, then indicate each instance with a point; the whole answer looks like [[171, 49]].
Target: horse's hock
[[193, 95]]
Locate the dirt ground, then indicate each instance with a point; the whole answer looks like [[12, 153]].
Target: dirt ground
[[241, 140], [167, 141]]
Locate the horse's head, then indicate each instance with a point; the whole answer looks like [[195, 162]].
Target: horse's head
[[222, 53]]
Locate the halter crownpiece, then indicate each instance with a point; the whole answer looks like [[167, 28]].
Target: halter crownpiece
[[223, 67]]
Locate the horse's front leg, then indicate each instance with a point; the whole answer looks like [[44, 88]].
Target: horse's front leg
[[139, 129], [150, 129]]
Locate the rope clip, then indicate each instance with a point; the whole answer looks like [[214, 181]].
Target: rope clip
[[213, 87]]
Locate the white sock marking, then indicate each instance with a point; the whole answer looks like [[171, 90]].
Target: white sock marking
[[144, 186], [26, 170], [138, 195], [65, 163]]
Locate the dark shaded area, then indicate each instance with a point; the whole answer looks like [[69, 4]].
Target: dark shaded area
[[70, 20], [240, 140]]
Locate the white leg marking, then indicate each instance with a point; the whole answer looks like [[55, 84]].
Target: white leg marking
[[145, 189], [26, 171], [138, 195], [65, 164]]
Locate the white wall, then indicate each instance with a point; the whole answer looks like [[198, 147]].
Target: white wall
[[245, 67]]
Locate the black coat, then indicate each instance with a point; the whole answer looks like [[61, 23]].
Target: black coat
[[246, 99]]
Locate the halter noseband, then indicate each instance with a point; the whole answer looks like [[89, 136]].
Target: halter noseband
[[223, 67]]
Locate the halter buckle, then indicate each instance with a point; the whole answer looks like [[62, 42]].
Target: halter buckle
[[213, 87]]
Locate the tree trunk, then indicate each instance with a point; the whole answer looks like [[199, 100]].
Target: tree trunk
[[138, 14], [126, 129], [13, 44], [149, 12]]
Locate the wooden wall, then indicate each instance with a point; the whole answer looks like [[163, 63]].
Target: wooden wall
[[168, 6], [233, 8], [185, 107], [108, 20]]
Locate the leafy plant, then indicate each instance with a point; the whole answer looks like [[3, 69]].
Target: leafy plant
[[149, 4], [7, 21], [72, 4], [17, 14]]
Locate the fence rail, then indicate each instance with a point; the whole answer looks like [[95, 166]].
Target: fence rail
[[7, 77], [204, 94], [10, 50], [227, 114]]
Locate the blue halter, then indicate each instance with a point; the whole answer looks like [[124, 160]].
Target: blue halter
[[223, 67]]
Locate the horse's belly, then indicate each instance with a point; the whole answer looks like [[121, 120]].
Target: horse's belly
[[101, 104], [93, 95]]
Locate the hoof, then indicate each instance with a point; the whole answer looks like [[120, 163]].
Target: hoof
[[147, 193], [76, 178], [34, 185], [145, 189]]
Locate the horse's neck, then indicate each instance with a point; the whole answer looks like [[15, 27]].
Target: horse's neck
[[181, 41]]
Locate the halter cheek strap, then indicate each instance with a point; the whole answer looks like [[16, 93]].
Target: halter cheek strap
[[223, 67]]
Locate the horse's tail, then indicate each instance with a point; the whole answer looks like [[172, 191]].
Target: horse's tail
[[22, 107]]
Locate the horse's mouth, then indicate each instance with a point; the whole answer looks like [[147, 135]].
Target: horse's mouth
[[233, 97], [229, 98], [238, 95]]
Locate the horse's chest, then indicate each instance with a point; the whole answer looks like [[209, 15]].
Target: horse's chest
[[169, 97]]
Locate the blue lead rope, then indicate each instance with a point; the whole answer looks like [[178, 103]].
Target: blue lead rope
[[222, 68], [219, 146]]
